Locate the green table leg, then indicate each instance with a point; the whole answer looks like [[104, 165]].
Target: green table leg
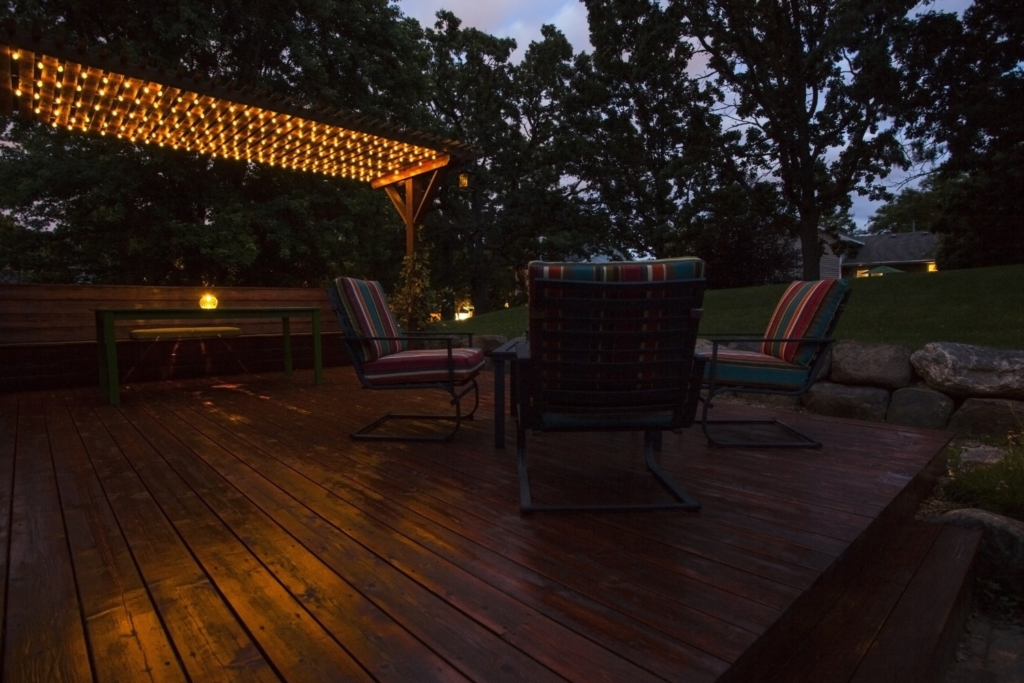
[[109, 352], [101, 352], [286, 326], [318, 360]]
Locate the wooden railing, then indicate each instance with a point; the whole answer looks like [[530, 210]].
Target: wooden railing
[[48, 334]]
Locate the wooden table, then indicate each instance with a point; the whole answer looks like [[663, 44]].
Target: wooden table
[[106, 344]]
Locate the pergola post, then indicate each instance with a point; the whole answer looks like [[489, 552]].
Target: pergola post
[[419, 185]]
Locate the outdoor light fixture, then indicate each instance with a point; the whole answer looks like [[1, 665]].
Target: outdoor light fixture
[[209, 301], [464, 181]]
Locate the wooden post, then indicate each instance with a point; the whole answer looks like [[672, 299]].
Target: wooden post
[[421, 184]]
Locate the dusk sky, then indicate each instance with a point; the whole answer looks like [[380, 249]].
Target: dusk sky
[[522, 19], [519, 19]]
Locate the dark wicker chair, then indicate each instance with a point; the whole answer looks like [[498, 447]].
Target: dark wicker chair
[[611, 348], [383, 360]]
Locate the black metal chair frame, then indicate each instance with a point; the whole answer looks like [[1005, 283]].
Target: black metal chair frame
[[800, 439], [677, 390], [456, 389]]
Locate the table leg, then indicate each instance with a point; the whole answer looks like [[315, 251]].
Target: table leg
[[108, 361], [499, 402], [101, 352], [318, 358], [286, 327]]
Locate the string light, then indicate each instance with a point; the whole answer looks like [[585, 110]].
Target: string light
[[220, 128]]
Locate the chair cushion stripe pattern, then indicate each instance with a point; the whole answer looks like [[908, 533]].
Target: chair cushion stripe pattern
[[686, 268], [419, 366], [368, 311], [805, 310], [753, 369]]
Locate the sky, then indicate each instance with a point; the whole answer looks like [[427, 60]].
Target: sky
[[522, 19], [519, 19]]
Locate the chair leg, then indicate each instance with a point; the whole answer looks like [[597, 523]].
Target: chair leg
[[652, 442], [800, 440], [365, 433]]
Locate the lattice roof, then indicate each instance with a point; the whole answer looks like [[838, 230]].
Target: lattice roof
[[96, 93]]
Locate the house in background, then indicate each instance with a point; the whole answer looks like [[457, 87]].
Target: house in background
[[898, 252]]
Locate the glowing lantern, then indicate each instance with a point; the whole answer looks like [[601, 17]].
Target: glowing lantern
[[208, 301]]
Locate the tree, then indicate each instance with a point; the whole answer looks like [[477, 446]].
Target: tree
[[645, 129], [963, 88], [99, 210], [912, 209], [810, 84], [652, 149], [517, 206]]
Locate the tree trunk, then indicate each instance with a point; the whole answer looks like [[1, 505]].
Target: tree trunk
[[810, 248]]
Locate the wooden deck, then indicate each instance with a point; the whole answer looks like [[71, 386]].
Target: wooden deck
[[230, 530]]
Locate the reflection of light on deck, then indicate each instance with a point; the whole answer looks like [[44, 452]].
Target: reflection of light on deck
[[239, 388]]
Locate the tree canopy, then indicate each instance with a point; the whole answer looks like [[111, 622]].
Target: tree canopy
[[728, 129], [963, 84]]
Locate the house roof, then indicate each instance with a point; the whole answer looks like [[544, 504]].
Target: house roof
[[897, 247], [99, 93]]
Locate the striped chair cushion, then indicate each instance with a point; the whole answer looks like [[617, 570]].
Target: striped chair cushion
[[805, 310], [685, 268], [419, 366], [368, 312], [753, 369]]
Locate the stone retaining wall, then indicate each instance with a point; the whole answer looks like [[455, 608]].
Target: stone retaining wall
[[965, 389]]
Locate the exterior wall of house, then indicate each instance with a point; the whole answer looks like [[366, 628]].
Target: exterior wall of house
[[859, 270]]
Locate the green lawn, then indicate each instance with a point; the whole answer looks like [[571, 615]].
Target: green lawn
[[979, 306]]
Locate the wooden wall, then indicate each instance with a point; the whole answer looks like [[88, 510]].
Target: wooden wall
[[48, 334]]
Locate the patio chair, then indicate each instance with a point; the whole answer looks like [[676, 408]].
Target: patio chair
[[383, 360], [787, 360], [611, 348]]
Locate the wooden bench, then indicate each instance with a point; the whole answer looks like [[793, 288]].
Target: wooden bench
[[48, 334]]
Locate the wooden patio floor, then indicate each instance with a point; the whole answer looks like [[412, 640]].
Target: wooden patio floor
[[230, 530]]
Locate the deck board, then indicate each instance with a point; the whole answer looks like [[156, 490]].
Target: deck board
[[231, 530]]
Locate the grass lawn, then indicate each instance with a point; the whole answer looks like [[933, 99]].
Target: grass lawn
[[978, 306]]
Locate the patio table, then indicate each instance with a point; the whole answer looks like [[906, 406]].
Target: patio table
[[106, 344]]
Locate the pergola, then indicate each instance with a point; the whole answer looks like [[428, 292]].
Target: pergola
[[97, 93]]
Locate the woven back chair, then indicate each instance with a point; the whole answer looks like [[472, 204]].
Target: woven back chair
[[787, 360], [383, 360], [611, 348]]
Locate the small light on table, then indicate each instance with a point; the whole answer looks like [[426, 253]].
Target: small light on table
[[208, 301]]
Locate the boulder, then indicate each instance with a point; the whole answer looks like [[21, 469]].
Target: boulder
[[991, 416], [826, 366], [1001, 557], [980, 454], [876, 365], [780, 401], [919, 407], [967, 370], [839, 400]]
